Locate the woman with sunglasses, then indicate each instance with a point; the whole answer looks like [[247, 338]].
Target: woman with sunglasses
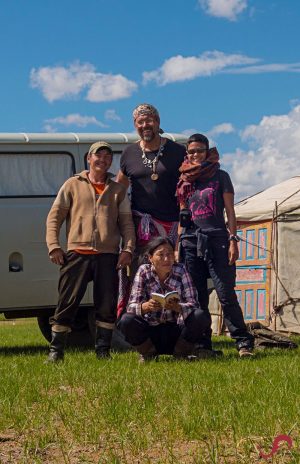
[[208, 246]]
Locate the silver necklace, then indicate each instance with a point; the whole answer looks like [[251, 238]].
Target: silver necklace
[[152, 163]]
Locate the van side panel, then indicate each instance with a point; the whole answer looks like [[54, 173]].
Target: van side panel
[[27, 277], [26, 274]]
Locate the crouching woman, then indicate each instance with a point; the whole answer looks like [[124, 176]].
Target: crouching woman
[[151, 328]]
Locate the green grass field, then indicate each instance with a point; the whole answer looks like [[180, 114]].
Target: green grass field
[[110, 412]]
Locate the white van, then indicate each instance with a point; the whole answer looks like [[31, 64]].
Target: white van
[[33, 167]]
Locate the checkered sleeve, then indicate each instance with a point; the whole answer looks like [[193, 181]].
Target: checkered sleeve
[[189, 297], [137, 295]]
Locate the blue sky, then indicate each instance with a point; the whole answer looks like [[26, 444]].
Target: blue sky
[[227, 68]]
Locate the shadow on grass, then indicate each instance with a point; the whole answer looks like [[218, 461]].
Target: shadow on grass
[[36, 349], [220, 345], [16, 350], [44, 349]]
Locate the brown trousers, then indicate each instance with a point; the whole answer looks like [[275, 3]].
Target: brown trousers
[[75, 274]]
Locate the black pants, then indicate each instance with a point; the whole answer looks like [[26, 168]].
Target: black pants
[[164, 336], [223, 276], [75, 274]]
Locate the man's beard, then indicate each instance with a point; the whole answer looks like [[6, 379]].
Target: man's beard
[[149, 136]]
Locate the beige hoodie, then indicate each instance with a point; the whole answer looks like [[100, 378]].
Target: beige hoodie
[[91, 223]]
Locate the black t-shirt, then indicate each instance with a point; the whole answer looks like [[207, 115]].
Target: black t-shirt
[[154, 197], [207, 204]]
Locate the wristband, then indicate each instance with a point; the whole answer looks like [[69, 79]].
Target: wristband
[[236, 238]]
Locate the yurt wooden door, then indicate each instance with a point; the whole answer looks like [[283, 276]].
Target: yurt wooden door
[[253, 270]]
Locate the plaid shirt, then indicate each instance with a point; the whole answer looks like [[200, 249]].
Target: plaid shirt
[[146, 282]]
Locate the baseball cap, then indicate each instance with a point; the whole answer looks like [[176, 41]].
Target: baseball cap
[[97, 145]]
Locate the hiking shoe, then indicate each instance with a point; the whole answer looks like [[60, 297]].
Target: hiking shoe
[[245, 353]]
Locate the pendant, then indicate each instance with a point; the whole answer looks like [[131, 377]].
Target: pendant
[[154, 176]]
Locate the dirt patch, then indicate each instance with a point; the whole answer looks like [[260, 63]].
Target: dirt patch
[[14, 450], [11, 450]]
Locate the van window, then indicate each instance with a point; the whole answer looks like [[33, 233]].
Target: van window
[[34, 174]]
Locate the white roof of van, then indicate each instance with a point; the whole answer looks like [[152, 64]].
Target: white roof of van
[[71, 137]]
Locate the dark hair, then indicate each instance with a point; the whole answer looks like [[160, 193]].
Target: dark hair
[[198, 138], [157, 242], [152, 246]]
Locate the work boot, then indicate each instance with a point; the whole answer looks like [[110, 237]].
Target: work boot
[[147, 351], [183, 349], [57, 346], [103, 342]]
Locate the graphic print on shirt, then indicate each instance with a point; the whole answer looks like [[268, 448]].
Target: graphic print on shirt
[[203, 204]]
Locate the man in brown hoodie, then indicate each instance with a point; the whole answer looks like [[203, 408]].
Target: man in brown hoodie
[[98, 215]]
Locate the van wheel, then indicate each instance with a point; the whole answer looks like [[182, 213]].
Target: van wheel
[[80, 335], [118, 342]]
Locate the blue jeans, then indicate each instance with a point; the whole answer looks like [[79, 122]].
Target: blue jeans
[[223, 275]]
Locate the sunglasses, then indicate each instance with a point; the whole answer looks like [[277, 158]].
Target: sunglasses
[[192, 151]]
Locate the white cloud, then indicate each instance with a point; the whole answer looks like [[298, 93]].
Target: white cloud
[[180, 68], [224, 128], [112, 115], [74, 119], [228, 9], [220, 129], [267, 68], [108, 87], [49, 128], [189, 132], [294, 102], [60, 82], [273, 156]]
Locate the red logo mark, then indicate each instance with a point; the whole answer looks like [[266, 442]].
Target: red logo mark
[[276, 446]]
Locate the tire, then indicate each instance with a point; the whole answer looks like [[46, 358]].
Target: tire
[[80, 335]]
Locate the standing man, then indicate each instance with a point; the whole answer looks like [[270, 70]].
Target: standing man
[[151, 167], [97, 214]]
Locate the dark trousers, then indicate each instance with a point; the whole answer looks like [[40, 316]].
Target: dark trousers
[[223, 276], [164, 336], [75, 274]]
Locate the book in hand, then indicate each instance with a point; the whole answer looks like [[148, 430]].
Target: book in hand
[[163, 299]]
